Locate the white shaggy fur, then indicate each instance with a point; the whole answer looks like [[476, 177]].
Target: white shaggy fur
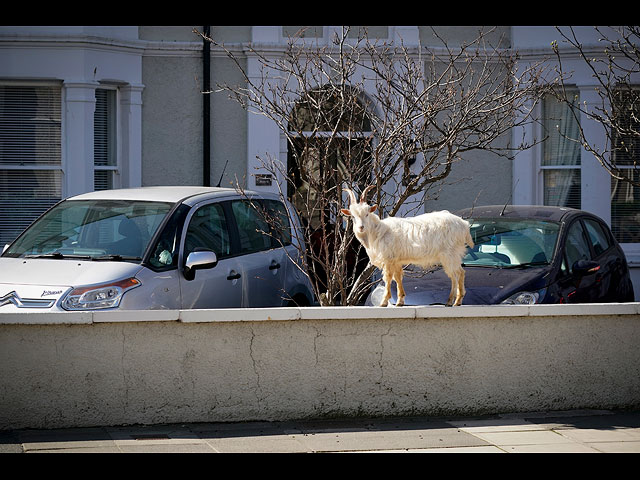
[[436, 238]]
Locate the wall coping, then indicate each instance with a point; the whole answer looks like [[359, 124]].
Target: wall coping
[[316, 313]]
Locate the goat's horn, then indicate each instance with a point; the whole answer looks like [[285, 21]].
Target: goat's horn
[[352, 195], [363, 196]]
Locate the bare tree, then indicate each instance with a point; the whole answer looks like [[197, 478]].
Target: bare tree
[[615, 66], [358, 112]]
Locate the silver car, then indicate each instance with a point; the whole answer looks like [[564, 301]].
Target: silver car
[[157, 248]]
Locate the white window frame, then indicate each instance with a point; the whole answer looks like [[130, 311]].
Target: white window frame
[[540, 167]]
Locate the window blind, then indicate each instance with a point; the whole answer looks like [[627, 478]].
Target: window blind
[[104, 138], [626, 137], [625, 197], [30, 155]]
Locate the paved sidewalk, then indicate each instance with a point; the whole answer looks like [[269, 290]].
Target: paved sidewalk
[[592, 431]]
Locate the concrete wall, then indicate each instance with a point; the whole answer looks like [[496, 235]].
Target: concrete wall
[[172, 136], [172, 120], [115, 368]]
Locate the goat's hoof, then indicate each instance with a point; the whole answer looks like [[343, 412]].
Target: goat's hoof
[[383, 304], [400, 303]]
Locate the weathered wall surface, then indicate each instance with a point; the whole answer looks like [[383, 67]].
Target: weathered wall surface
[[116, 368]]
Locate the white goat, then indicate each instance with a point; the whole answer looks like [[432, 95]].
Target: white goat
[[436, 238]]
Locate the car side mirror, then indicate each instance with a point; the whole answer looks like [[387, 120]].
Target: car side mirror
[[199, 260], [585, 267]]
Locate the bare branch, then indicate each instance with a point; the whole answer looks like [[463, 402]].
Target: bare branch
[[614, 66], [393, 118]]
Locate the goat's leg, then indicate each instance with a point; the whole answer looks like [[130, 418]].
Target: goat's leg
[[461, 290], [453, 294], [397, 276], [453, 289], [387, 277]]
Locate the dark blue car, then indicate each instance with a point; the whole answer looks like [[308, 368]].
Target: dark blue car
[[527, 255]]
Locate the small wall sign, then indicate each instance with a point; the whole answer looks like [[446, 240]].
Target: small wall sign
[[263, 179]]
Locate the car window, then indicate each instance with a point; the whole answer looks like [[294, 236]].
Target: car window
[[93, 228], [576, 246], [599, 239], [165, 252], [504, 242], [208, 230], [279, 220], [253, 229]]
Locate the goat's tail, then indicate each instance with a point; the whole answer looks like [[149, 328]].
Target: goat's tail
[[469, 240]]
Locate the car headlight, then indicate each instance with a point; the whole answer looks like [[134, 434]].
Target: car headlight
[[525, 298], [107, 295], [377, 295]]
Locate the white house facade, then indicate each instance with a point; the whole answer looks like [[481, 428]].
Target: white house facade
[[90, 107], [71, 116]]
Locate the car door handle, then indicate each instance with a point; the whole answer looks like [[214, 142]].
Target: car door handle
[[274, 265], [233, 275]]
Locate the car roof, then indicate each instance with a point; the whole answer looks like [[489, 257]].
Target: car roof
[[173, 194], [542, 212]]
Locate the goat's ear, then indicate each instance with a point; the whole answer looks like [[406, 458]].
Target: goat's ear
[[345, 212], [373, 208]]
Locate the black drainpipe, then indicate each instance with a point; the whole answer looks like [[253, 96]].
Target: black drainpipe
[[206, 109]]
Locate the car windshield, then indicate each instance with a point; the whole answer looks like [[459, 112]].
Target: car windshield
[[501, 242], [92, 229]]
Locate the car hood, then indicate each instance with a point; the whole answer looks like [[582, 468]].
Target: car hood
[[484, 285], [49, 279]]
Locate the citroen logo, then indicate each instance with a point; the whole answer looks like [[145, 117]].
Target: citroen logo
[[15, 299]]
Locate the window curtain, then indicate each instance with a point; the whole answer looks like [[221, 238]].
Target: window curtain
[[561, 149]]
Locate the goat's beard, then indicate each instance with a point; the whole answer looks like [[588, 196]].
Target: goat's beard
[[362, 238]]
